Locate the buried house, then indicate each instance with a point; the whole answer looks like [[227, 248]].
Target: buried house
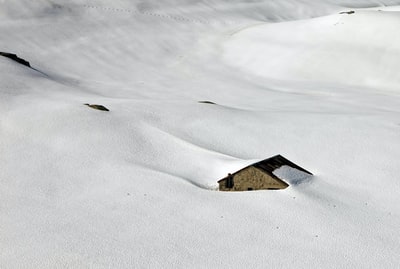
[[258, 176]]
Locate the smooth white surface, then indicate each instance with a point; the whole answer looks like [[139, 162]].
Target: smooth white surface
[[134, 187]]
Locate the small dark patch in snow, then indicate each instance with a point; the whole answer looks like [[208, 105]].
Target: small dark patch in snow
[[143, 6], [207, 102], [347, 12], [98, 107], [14, 57], [56, 9]]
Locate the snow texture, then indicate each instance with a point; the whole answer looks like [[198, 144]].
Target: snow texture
[[135, 187]]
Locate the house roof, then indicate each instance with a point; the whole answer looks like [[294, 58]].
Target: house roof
[[271, 164]]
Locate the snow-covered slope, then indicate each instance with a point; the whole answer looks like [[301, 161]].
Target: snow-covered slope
[[341, 48], [135, 187]]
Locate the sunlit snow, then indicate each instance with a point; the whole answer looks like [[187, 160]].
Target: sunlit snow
[[136, 186]]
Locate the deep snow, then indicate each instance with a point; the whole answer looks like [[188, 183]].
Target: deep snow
[[135, 187]]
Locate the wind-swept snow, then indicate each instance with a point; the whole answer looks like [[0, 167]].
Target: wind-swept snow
[[134, 187], [351, 49]]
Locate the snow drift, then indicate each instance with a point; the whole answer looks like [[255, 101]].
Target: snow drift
[[132, 187]]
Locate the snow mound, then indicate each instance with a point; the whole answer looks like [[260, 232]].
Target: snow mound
[[358, 49]]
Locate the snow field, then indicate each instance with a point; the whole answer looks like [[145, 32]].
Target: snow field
[[134, 187]]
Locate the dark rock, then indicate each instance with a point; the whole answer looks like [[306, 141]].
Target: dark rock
[[14, 57], [98, 107], [207, 102], [348, 12]]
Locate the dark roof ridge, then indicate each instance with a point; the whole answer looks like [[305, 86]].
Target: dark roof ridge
[[279, 161], [271, 164]]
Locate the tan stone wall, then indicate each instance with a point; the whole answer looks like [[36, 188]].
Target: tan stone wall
[[253, 178]]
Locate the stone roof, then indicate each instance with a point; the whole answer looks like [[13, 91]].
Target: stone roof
[[271, 164]]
